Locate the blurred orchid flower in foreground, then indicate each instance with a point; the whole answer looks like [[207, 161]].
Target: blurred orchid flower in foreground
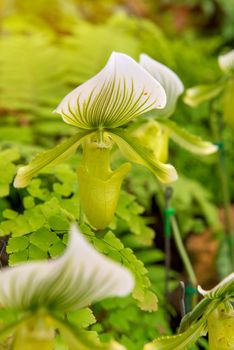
[[214, 314], [224, 87], [159, 129], [41, 292], [120, 92]]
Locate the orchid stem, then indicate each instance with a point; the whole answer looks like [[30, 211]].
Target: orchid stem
[[184, 256]]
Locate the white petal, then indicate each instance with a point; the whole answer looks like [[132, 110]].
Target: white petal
[[76, 279], [121, 91], [168, 79], [226, 62], [225, 286]]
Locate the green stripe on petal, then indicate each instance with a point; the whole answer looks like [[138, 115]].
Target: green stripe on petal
[[201, 93], [180, 341], [137, 153], [224, 289], [185, 139], [51, 157], [78, 278], [121, 91], [168, 79]]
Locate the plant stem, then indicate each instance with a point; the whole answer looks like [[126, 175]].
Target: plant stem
[[216, 130], [184, 256]]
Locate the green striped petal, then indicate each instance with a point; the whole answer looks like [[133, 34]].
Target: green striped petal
[[137, 153], [168, 79], [201, 93], [121, 91], [78, 278], [190, 142], [226, 62], [51, 157], [179, 341], [224, 289]]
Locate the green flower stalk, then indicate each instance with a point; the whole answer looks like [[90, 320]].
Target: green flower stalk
[[40, 293], [99, 108], [159, 129], [213, 315]]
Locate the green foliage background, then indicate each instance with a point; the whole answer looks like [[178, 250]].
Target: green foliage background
[[48, 48]]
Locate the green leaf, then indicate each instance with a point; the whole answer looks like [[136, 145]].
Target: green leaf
[[59, 223], [18, 257], [150, 302], [57, 249], [28, 202], [137, 153], [185, 139], [180, 341], [43, 238], [49, 158], [201, 93], [81, 318], [17, 244], [36, 253], [9, 214]]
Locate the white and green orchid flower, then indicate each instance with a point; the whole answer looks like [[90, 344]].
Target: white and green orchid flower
[[159, 129], [120, 92], [41, 292], [168, 79], [213, 315], [224, 87]]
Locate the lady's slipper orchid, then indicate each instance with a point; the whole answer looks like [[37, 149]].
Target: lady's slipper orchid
[[159, 129], [121, 91], [39, 291], [224, 87], [214, 314]]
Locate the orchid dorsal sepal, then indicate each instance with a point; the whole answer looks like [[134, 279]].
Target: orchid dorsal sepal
[[44, 289], [226, 62], [168, 79], [121, 91], [78, 278]]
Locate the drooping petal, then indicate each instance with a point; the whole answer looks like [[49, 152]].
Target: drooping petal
[[121, 91], [201, 93], [168, 79], [137, 153], [192, 143], [179, 341], [76, 279], [226, 62], [224, 288], [51, 157]]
